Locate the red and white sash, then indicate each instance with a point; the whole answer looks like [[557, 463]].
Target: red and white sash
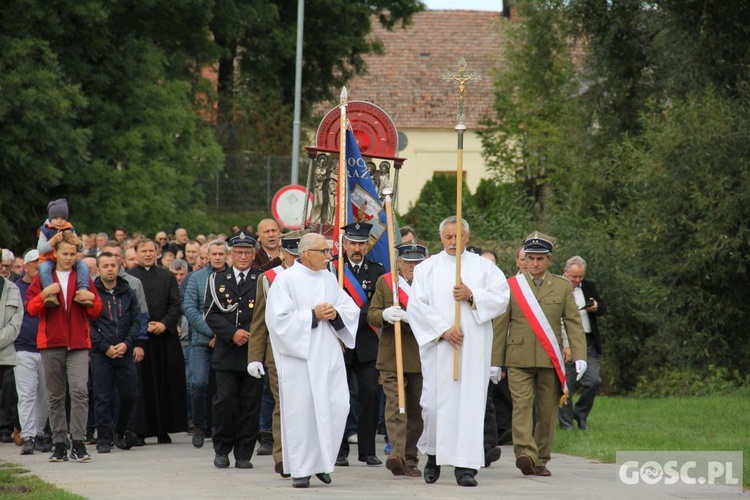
[[404, 289], [533, 313], [272, 273]]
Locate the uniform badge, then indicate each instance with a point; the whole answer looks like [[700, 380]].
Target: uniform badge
[[222, 289], [251, 304]]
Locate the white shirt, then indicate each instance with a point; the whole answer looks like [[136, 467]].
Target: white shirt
[[581, 303], [64, 277]]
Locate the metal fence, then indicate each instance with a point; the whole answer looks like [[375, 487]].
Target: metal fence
[[249, 182]]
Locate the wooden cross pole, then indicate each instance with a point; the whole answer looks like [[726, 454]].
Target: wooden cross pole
[[394, 290], [461, 77], [343, 189]]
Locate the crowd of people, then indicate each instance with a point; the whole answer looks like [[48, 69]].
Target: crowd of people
[[248, 339]]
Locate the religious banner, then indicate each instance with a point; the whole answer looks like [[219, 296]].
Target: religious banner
[[363, 204]]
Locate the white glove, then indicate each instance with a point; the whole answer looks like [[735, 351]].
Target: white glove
[[393, 314], [581, 366], [495, 374], [255, 369]]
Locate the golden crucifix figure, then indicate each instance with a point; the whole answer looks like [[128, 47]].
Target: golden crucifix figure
[[462, 77]]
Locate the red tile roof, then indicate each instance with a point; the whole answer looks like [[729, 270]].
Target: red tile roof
[[406, 81]]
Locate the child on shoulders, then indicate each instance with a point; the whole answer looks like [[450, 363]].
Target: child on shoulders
[[50, 234]]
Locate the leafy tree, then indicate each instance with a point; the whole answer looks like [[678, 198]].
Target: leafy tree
[[40, 139], [112, 98], [646, 168], [257, 42], [529, 141]]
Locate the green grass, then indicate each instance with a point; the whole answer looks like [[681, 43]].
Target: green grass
[[17, 483], [709, 423]]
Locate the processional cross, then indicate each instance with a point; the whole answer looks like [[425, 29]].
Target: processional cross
[[462, 77]]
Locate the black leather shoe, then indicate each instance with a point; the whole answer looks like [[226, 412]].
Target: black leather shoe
[[370, 460], [466, 479], [301, 482], [324, 477], [163, 439], [243, 463], [221, 461], [431, 470], [582, 424], [342, 461], [198, 437], [492, 455]]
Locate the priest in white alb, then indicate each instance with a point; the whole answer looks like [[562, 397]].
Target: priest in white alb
[[453, 411], [308, 318]]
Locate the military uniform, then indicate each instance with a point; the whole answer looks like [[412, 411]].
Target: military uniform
[[229, 307], [404, 430], [360, 361], [259, 345], [530, 370]]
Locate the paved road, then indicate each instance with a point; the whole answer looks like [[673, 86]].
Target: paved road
[[180, 471]]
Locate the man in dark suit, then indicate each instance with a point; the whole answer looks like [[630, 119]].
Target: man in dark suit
[[230, 301], [268, 254], [590, 305], [360, 361]]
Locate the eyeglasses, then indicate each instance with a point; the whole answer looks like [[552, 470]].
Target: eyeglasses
[[4, 265], [323, 250], [242, 254]]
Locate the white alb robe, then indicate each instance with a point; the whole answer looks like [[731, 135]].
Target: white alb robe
[[453, 411], [313, 392]]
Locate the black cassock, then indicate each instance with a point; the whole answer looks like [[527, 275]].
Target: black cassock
[[162, 393]]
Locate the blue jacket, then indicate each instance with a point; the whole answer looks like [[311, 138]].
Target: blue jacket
[[120, 320], [192, 306], [26, 340]]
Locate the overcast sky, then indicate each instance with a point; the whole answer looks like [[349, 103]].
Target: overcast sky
[[496, 5]]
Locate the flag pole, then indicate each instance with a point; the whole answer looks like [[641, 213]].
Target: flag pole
[[342, 194], [461, 77], [394, 286]]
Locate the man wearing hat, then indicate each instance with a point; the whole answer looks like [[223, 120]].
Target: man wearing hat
[[229, 308], [528, 344], [403, 429], [361, 276], [259, 352]]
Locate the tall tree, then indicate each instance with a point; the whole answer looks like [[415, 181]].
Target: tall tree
[[650, 169], [116, 96], [257, 40], [528, 143]]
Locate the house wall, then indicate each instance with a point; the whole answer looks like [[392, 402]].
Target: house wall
[[430, 151]]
